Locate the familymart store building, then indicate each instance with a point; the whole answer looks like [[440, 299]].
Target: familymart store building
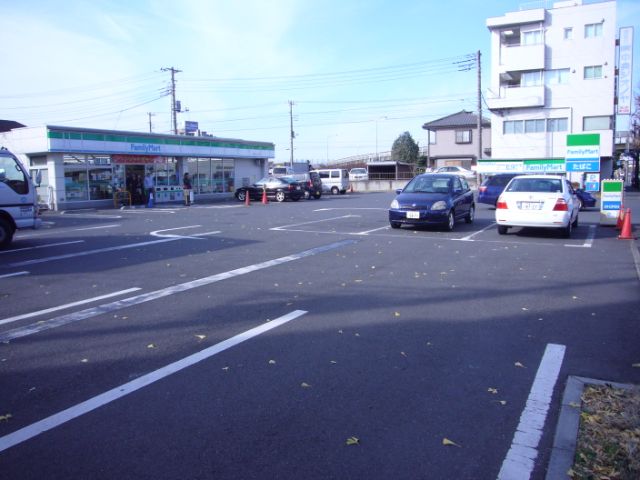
[[85, 168]]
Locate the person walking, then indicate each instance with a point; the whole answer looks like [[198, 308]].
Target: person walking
[[186, 189], [148, 189]]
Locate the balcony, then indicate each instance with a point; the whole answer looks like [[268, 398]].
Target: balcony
[[521, 57], [516, 97]]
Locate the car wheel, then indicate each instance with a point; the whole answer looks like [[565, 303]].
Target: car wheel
[[395, 224], [334, 191], [280, 196], [241, 195], [451, 221], [317, 195], [6, 233], [471, 215], [502, 230]]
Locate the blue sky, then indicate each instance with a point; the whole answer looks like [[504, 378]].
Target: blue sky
[[360, 72]]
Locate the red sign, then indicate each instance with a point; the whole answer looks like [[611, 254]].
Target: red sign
[[136, 159]]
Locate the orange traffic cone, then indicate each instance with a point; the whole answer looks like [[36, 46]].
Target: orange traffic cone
[[351, 189], [626, 233], [620, 219], [264, 197], [247, 198]]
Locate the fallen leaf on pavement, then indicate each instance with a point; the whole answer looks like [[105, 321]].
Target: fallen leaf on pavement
[[518, 364], [201, 337], [492, 390], [151, 345], [272, 362], [5, 418], [305, 385], [353, 441], [449, 443]]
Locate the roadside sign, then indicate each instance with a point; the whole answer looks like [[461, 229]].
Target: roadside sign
[[592, 182], [610, 201]]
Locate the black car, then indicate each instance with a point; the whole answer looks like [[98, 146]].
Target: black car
[[310, 182], [433, 198], [278, 189]]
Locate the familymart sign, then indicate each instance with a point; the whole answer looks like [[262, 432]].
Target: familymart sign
[[583, 153]]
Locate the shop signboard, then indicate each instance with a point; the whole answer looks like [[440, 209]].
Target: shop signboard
[[583, 152], [610, 201], [499, 166], [190, 127], [625, 68], [544, 165]]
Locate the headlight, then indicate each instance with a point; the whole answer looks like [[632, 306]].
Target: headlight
[[395, 204], [440, 205]]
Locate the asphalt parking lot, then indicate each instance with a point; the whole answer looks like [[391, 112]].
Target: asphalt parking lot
[[301, 340]]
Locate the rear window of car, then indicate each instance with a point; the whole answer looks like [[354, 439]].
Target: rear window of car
[[535, 185], [498, 180]]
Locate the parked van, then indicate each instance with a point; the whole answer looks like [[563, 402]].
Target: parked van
[[334, 180], [18, 198]]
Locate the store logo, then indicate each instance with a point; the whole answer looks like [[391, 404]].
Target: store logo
[[145, 148]]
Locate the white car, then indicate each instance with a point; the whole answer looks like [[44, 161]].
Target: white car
[[358, 174], [457, 170], [541, 201]]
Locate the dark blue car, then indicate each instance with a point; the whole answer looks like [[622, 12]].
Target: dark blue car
[[433, 198]]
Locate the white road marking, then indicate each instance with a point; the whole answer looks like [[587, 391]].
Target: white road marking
[[91, 215], [520, 458], [91, 252], [57, 419], [149, 210], [15, 274], [164, 292], [353, 208], [41, 246], [313, 221], [97, 228], [157, 233], [468, 238], [67, 305], [223, 206], [386, 227], [589, 240]]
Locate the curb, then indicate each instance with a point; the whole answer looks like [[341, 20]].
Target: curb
[[566, 435]]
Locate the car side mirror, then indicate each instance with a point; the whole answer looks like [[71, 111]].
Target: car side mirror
[[398, 191]]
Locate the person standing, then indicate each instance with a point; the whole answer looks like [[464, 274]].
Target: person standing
[[148, 188], [186, 188]]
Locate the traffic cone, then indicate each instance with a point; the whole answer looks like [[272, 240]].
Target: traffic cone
[[351, 189], [626, 233], [264, 197], [247, 198], [620, 219]]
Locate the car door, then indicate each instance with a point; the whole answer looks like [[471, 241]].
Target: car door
[[460, 198], [573, 197]]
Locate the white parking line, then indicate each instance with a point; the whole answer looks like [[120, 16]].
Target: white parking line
[[520, 458], [66, 305], [116, 393], [589, 241], [15, 274], [283, 227], [468, 238], [367, 232], [97, 228], [41, 246], [164, 292], [346, 208]]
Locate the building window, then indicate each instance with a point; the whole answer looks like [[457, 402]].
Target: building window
[[512, 127], [568, 33], [533, 126], [557, 124], [593, 72], [533, 37], [531, 79], [463, 136], [592, 30], [602, 122], [559, 76]]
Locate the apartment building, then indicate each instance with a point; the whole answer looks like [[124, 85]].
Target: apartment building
[[552, 74]]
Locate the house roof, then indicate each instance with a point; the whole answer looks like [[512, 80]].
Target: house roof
[[6, 125], [456, 120]]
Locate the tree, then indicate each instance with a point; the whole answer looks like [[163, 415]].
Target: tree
[[405, 149]]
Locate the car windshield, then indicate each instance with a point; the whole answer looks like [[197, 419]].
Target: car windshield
[[358, 170], [264, 180], [288, 179], [428, 185], [552, 185]]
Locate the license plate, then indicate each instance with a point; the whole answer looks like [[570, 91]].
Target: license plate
[[529, 205], [413, 214]]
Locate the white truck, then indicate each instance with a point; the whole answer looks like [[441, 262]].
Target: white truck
[[18, 198]]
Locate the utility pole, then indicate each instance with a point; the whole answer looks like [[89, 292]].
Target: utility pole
[[479, 106], [150, 115], [174, 109], [293, 134]]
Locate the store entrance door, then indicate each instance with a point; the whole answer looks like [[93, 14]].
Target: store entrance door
[[134, 181]]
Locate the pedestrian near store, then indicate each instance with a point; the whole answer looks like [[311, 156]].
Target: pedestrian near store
[[186, 187], [148, 189]]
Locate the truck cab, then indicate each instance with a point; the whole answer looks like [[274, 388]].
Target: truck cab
[[18, 198]]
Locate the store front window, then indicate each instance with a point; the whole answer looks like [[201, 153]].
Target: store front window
[[212, 175], [87, 177]]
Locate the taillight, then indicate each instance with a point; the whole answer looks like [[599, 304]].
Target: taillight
[[482, 189], [561, 205], [501, 205]]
